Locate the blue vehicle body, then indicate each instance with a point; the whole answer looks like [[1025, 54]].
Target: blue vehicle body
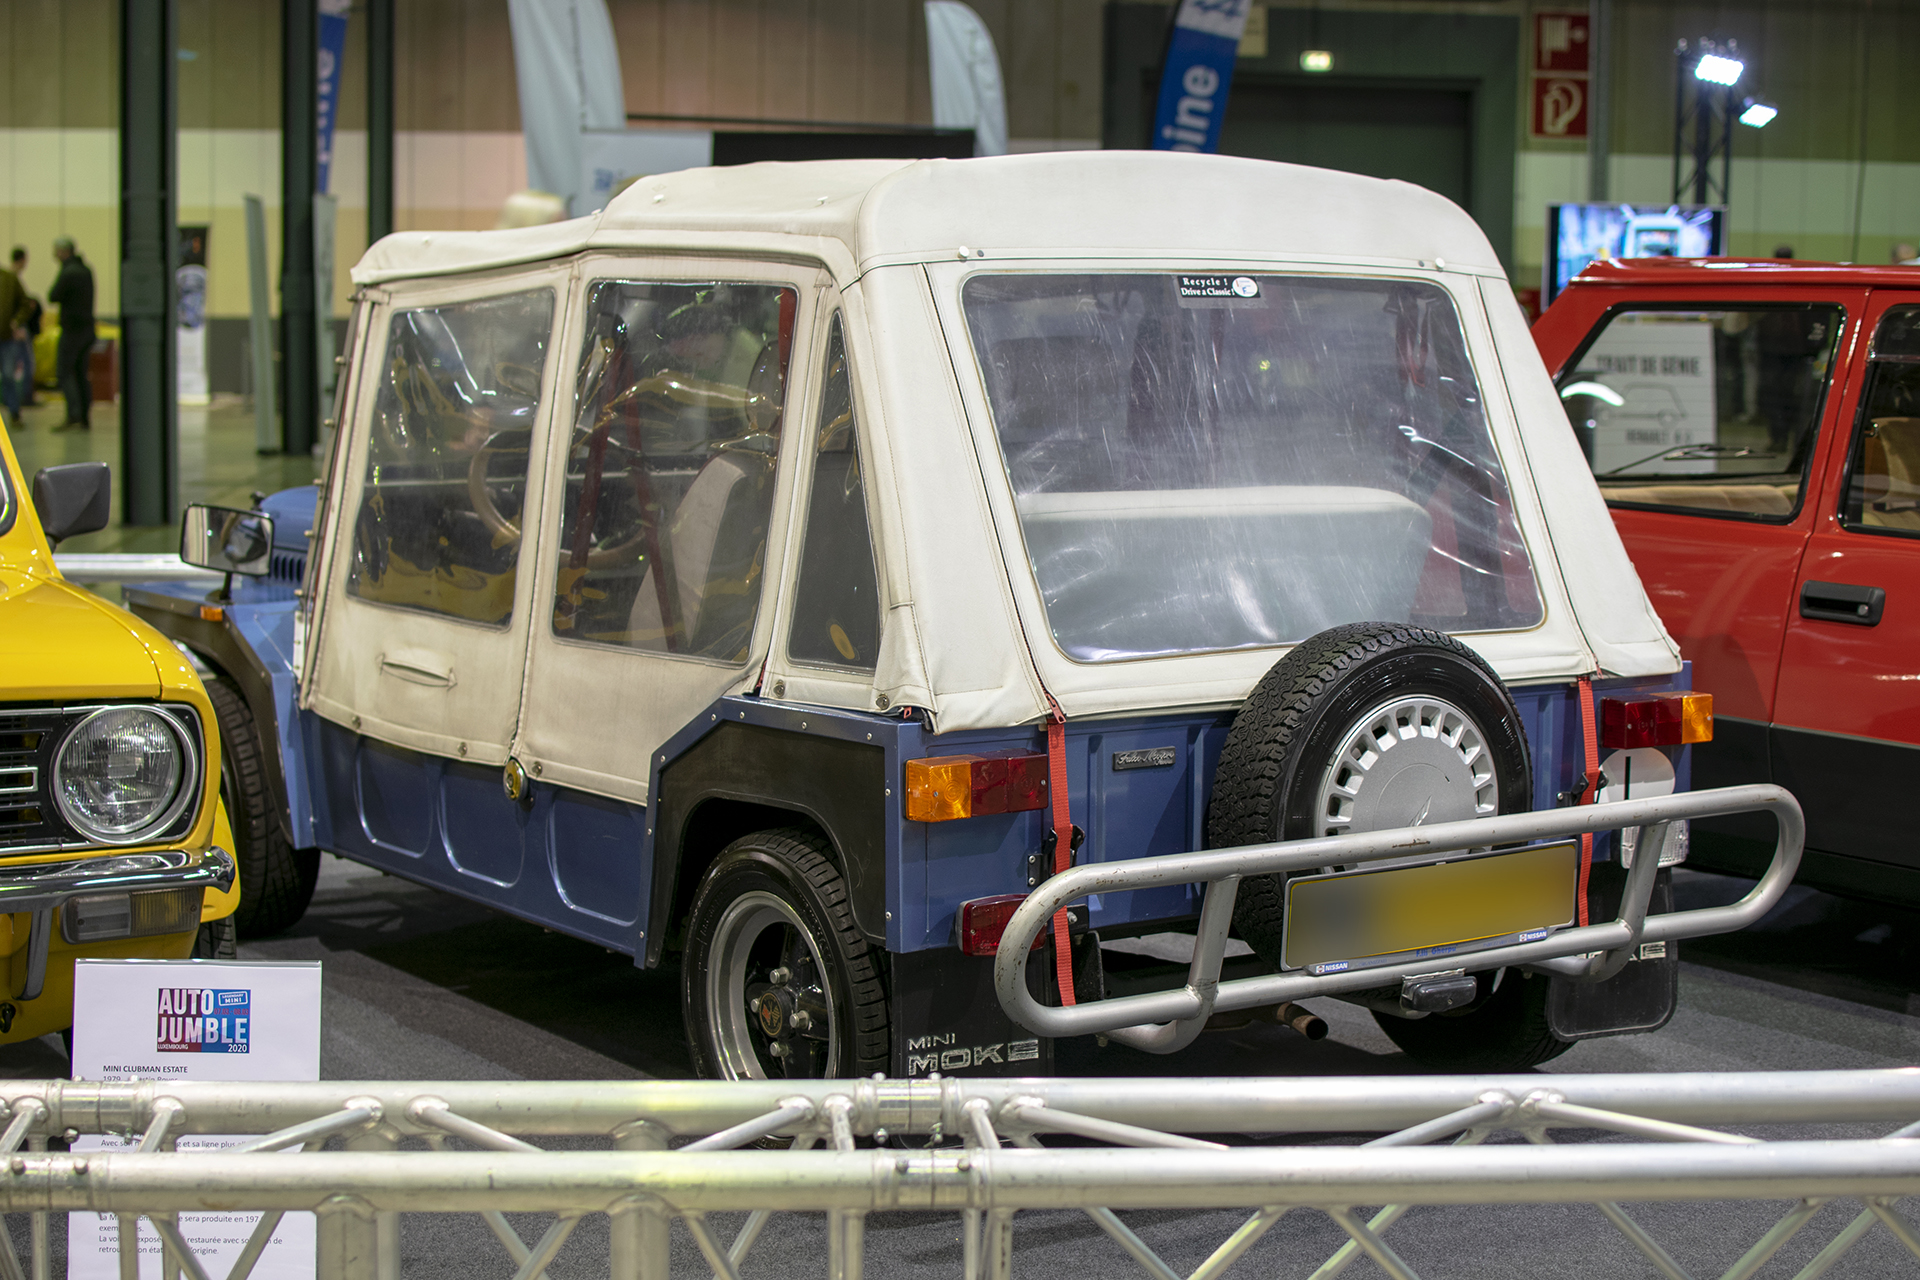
[[591, 867]]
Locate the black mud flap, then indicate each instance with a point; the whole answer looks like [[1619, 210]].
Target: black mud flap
[[1641, 996], [946, 1017]]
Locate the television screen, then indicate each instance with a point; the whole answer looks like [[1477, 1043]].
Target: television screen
[[1581, 233]]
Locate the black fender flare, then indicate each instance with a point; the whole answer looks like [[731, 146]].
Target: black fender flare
[[836, 785]]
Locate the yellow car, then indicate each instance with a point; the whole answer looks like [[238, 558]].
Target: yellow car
[[113, 841]]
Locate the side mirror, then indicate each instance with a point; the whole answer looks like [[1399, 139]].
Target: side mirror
[[226, 540], [73, 498]]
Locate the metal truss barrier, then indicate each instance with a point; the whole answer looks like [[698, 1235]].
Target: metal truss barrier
[[945, 1146], [1166, 1021]]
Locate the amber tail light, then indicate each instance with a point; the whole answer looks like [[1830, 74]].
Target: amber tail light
[[942, 788], [1656, 720]]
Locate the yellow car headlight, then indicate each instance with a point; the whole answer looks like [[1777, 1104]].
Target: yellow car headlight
[[124, 774]]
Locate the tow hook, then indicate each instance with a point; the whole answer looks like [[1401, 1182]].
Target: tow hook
[[1438, 992]]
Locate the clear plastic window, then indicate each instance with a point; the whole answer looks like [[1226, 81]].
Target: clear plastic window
[[836, 610], [671, 466], [1883, 487], [1712, 411], [440, 516], [1211, 462]]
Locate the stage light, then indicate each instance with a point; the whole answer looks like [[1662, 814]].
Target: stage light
[[1758, 114], [1716, 69], [1316, 60]]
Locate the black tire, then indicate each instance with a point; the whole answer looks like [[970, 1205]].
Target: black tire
[[774, 900], [217, 940], [1282, 745], [276, 880], [1504, 1031]]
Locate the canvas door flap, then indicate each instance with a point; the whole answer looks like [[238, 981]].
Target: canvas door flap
[[420, 639]]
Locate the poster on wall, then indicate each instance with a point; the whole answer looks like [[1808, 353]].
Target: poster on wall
[[611, 159], [190, 316], [193, 1020]]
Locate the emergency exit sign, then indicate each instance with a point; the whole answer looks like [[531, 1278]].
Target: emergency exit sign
[[1560, 75]]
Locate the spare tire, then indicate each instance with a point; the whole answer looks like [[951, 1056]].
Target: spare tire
[[1365, 727], [1369, 727]]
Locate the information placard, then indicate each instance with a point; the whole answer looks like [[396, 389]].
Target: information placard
[[193, 1020]]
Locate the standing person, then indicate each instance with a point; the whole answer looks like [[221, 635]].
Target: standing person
[[73, 292], [16, 357]]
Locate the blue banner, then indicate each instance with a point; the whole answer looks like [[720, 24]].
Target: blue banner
[[1201, 49], [333, 53]]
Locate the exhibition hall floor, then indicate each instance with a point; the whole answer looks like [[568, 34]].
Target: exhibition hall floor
[[218, 463]]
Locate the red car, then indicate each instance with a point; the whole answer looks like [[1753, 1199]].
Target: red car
[[1755, 428]]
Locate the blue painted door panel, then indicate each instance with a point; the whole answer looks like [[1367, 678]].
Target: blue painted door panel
[[598, 855], [566, 861]]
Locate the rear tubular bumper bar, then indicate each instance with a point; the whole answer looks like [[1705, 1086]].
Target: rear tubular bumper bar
[[1164, 1021]]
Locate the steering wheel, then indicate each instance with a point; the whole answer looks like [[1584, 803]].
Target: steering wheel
[[759, 409]]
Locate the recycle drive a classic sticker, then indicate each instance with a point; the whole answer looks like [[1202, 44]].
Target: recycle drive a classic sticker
[[1228, 287]]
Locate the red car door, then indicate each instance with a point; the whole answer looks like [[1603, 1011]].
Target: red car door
[[1846, 737], [1706, 421]]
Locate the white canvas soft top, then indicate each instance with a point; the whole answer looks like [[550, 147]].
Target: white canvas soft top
[[964, 635], [1081, 203]]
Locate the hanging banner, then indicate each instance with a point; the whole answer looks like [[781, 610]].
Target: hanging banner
[[333, 55], [964, 72], [568, 66], [1201, 48], [193, 1020]]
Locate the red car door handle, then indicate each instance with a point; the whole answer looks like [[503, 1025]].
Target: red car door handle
[[1842, 602]]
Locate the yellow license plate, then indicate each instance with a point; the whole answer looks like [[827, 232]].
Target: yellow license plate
[[1429, 909]]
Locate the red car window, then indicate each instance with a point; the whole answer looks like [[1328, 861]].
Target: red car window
[[1883, 470], [1711, 410]]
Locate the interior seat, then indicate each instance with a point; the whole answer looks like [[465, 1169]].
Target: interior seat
[[716, 543]]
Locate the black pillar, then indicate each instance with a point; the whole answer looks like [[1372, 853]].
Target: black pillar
[[379, 119], [299, 124], [148, 413]]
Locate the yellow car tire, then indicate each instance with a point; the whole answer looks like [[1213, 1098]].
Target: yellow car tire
[[217, 940]]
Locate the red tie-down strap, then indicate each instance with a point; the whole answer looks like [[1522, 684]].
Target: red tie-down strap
[[1062, 844], [1590, 743]]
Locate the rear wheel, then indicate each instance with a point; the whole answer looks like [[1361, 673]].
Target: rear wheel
[[1370, 727], [276, 880], [777, 982]]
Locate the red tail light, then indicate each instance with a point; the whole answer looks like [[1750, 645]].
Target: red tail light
[[984, 920], [941, 788], [1656, 720]]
